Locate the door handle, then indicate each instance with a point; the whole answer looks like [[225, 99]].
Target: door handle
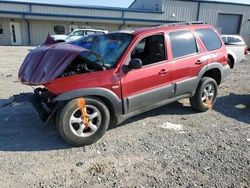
[[163, 72], [199, 61]]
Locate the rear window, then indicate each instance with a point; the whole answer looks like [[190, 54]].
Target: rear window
[[209, 38], [183, 43]]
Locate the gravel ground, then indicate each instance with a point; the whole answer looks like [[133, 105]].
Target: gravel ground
[[172, 146]]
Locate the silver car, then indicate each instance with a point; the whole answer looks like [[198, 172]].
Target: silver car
[[236, 49]]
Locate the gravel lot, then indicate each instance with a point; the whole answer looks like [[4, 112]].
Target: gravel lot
[[172, 146]]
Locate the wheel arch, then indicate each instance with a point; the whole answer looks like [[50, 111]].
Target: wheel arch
[[213, 70], [110, 99], [213, 73], [232, 58]]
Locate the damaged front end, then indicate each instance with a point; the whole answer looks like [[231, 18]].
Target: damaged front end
[[51, 62], [62, 68], [42, 101]]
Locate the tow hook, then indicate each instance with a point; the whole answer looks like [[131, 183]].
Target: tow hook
[[83, 110]]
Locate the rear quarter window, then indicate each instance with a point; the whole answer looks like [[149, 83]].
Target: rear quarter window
[[183, 43], [209, 38]]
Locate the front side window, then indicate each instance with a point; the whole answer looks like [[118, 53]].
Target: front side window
[[150, 50], [209, 38], [183, 43], [59, 29]]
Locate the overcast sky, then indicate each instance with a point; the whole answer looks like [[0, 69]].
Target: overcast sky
[[110, 3]]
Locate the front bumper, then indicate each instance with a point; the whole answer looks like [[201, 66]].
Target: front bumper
[[39, 108], [44, 106]]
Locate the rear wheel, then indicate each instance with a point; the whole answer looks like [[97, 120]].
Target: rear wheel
[[205, 95], [72, 124]]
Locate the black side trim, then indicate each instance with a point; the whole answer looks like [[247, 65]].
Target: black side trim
[[116, 103], [186, 86], [152, 106], [140, 100]]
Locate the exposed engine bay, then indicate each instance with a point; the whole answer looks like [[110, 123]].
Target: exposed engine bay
[[81, 65]]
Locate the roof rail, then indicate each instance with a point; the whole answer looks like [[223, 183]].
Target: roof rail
[[181, 23]]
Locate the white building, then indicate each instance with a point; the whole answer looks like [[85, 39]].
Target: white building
[[24, 23]]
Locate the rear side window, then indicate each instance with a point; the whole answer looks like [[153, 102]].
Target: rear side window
[[209, 38], [231, 39], [238, 40], [182, 43]]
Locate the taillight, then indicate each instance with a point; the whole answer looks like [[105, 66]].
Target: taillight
[[246, 51]]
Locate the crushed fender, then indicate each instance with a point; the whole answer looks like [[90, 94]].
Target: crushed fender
[[85, 117]]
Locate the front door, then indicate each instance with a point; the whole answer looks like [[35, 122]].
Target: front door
[[151, 83], [15, 32]]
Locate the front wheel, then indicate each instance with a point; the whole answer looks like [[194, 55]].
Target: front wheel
[[205, 95], [78, 127]]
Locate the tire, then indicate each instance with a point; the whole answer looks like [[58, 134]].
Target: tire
[[197, 101], [71, 129], [231, 62]]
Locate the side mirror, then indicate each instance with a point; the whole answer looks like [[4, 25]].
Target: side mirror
[[135, 64]]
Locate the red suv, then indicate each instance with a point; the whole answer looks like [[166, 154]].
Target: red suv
[[122, 74]]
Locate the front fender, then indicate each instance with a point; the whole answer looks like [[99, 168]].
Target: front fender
[[112, 98]]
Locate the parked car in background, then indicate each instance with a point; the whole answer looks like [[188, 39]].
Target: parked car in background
[[122, 74], [236, 49], [77, 34]]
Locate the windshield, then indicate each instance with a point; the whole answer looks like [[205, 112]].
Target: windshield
[[84, 40], [110, 47]]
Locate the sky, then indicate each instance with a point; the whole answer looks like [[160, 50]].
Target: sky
[[109, 3]]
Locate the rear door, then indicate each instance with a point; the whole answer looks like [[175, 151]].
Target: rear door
[[213, 44], [187, 59], [151, 83]]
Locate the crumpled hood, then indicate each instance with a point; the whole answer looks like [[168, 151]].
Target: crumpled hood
[[47, 62]]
